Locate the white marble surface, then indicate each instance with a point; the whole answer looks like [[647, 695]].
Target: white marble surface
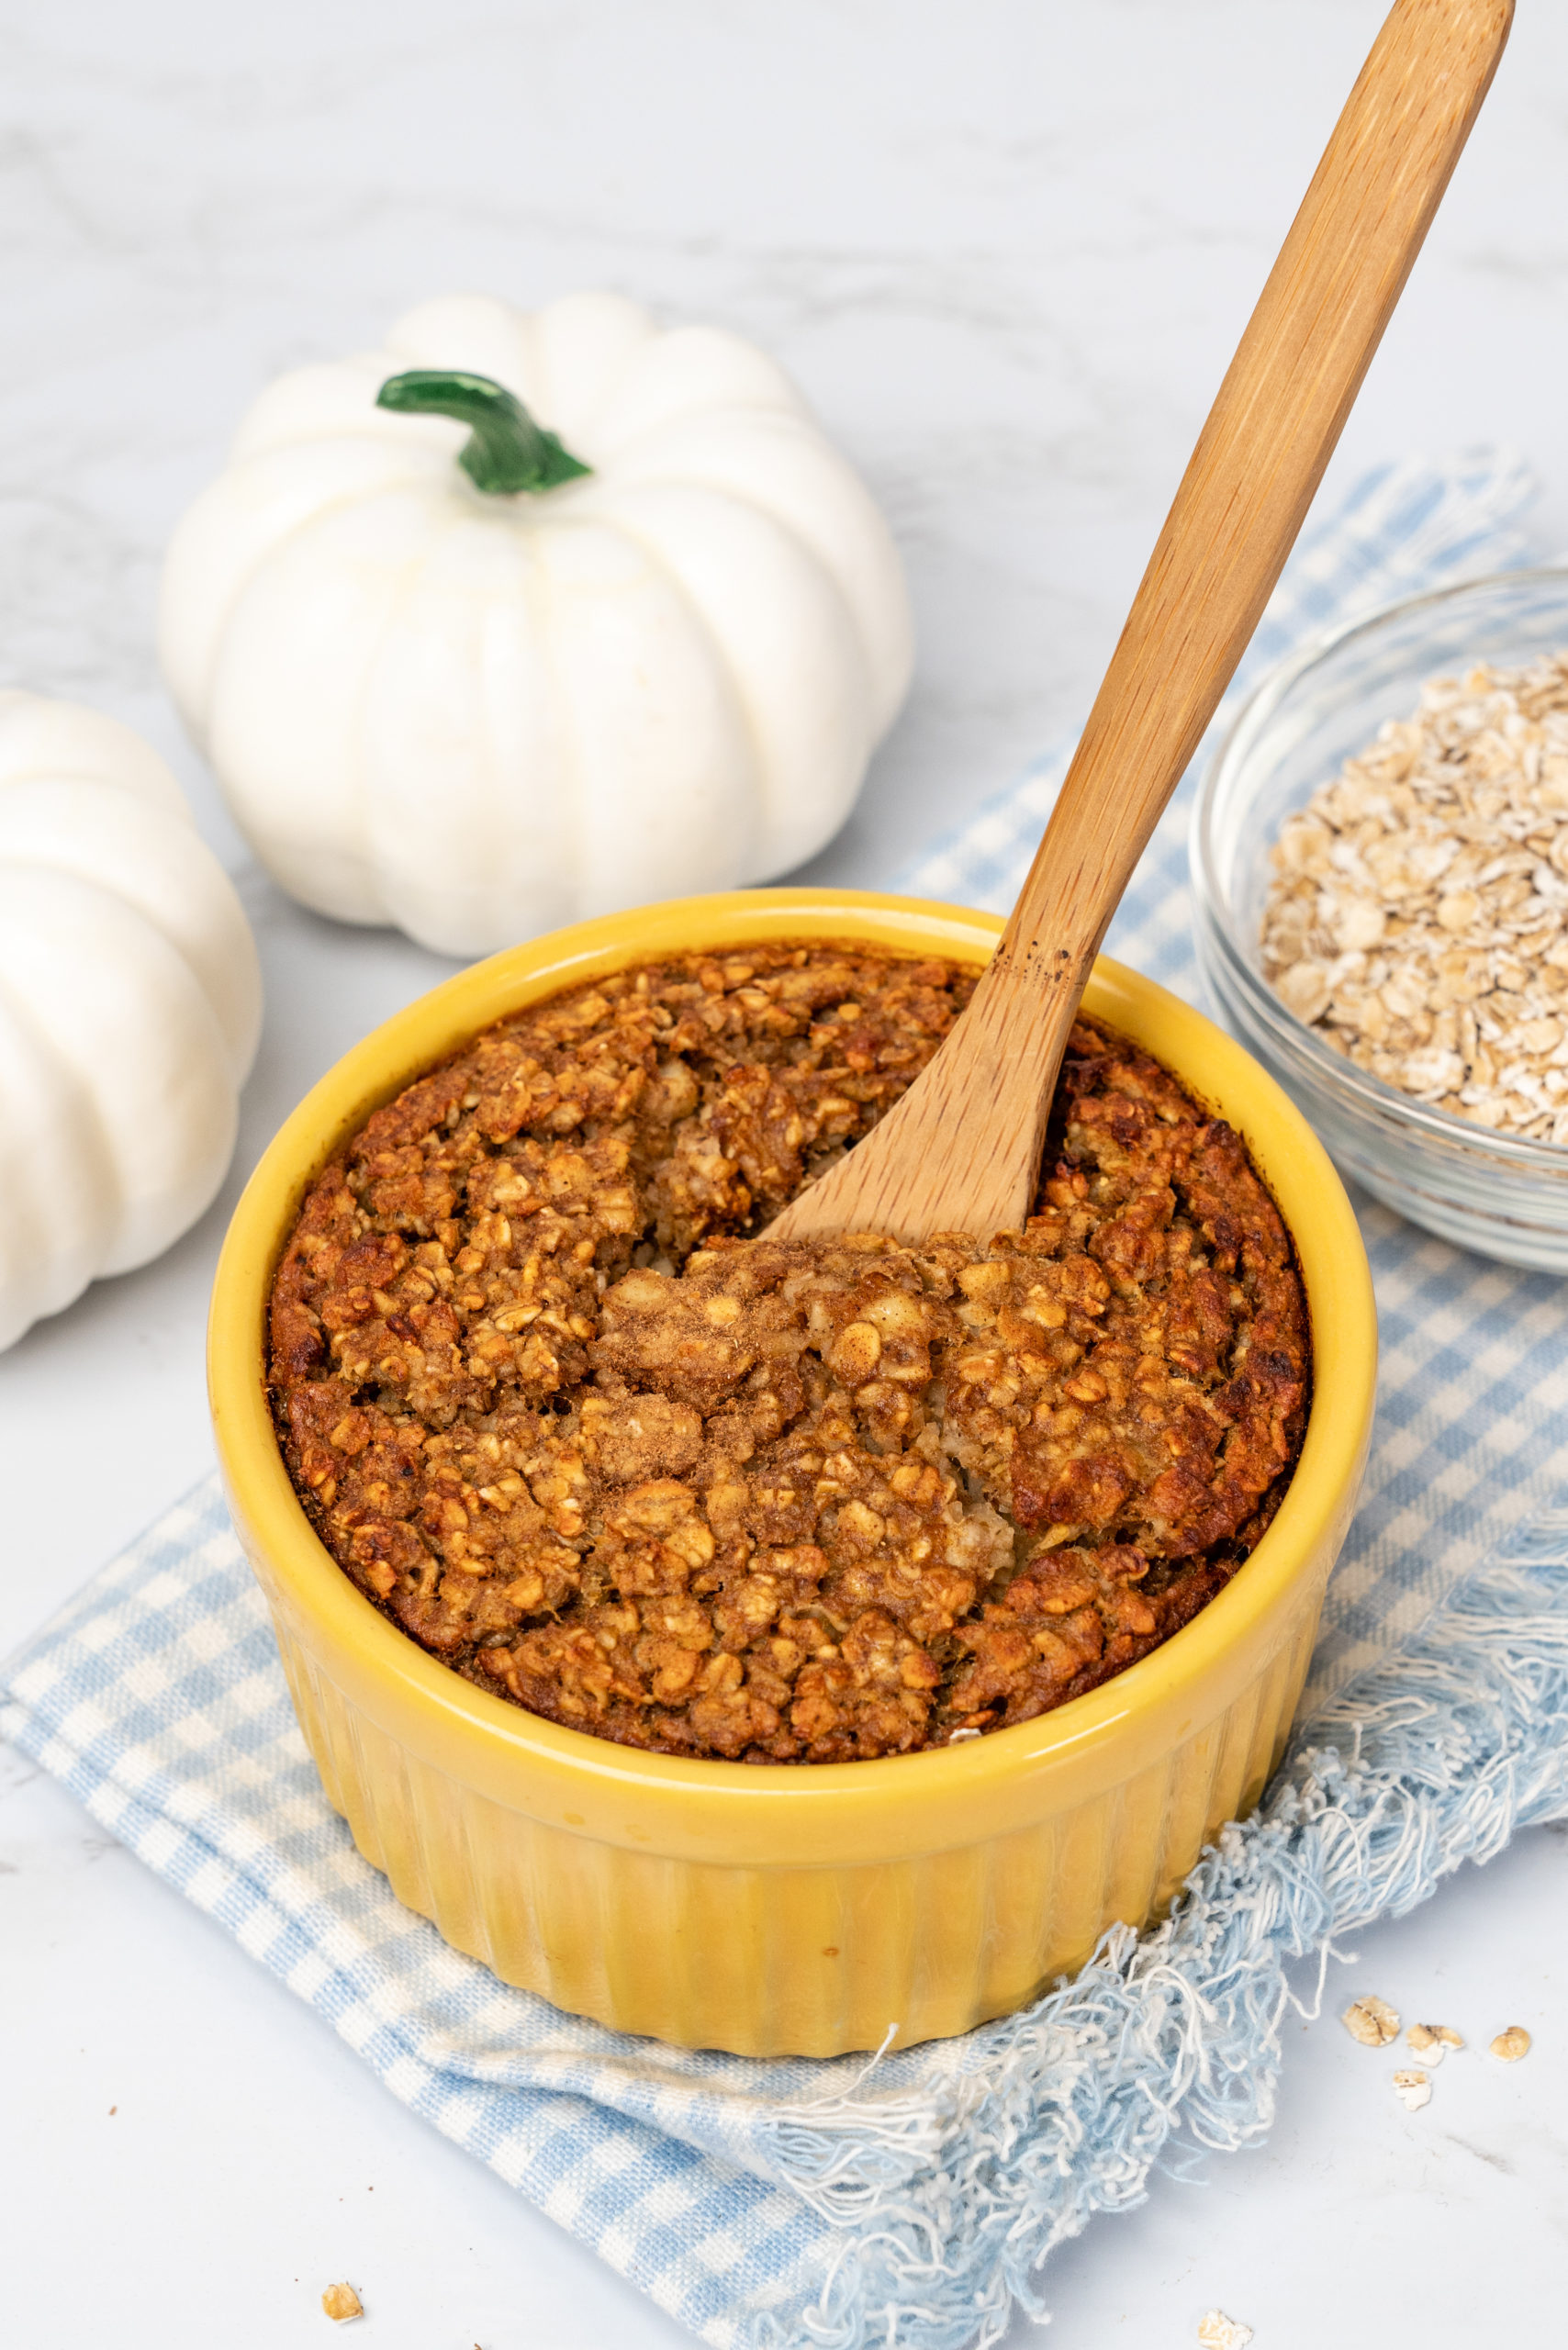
[[1007, 250]]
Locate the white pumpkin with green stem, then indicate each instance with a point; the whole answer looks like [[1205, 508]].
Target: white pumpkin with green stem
[[130, 1004], [476, 674]]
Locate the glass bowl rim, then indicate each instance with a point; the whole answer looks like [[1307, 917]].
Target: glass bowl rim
[[1373, 1095]]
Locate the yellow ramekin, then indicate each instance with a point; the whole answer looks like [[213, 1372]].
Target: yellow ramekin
[[791, 1909]]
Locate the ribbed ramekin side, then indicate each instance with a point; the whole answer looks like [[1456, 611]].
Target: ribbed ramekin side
[[770, 1961]]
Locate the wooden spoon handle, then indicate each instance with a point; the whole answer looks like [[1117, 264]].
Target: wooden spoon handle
[[961, 1151], [1255, 470]]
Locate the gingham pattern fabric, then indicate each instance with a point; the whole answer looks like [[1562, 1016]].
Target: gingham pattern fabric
[[774, 2204]]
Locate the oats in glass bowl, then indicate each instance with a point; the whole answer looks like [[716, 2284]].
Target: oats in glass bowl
[[1403, 1015], [1418, 916]]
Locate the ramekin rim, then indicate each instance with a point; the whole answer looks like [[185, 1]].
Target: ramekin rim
[[1331, 1450]]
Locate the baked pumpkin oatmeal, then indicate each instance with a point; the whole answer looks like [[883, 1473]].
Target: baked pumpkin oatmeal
[[558, 1412]]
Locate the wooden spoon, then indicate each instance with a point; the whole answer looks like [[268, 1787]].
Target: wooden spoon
[[960, 1152]]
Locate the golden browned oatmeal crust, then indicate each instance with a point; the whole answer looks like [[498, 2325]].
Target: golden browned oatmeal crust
[[561, 1416]]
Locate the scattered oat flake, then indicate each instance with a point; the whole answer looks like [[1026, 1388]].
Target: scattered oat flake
[[1412, 2089], [1512, 2044], [1431, 2042], [341, 2300], [1372, 2022], [1218, 2331]]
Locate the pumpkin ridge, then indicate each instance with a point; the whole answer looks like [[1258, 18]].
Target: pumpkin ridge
[[398, 899], [130, 1004], [667, 572], [239, 1019], [817, 449], [93, 1130], [363, 782], [199, 726]]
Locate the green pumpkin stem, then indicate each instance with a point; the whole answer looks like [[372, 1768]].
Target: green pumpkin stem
[[506, 451]]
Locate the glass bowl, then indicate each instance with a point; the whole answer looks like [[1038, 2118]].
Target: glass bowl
[[1505, 1195]]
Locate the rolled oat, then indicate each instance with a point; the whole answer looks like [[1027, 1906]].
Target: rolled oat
[[1431, 2042], [1218, 2331], [1412, 2089], [1417, 917], [1372, 2022], [1512, 2044]]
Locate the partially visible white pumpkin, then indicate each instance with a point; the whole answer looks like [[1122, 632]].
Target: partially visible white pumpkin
[[479, 715], [131, 1004]]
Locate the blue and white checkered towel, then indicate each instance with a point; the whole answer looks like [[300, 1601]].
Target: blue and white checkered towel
[[842, 2205]]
